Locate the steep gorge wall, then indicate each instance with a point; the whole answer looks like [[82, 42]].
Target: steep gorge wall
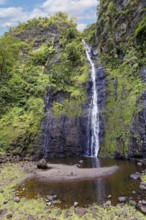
[[121, 33], [67, 132]]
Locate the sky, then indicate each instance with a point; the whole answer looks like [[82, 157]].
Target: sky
[[12, 12]]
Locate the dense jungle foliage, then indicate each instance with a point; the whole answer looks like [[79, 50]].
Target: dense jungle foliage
[[34, 56]]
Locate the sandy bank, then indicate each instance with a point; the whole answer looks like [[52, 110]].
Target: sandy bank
[[61, 172]]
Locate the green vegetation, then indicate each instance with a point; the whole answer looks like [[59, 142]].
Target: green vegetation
[[34, 56], [89, 34], [121, 44], [13, 174]]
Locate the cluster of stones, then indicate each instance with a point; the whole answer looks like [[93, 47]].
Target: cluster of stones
[[52, 200]]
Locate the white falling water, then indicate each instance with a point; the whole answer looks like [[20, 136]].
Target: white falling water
[[94, 148]]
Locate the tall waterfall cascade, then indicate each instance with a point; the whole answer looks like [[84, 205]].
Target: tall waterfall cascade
[[94, 142]]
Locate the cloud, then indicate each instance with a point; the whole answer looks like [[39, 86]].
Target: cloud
[[76, 8], [83, 10]]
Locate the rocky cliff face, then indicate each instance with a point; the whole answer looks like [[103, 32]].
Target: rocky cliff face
[[67, 134], [121, 29]]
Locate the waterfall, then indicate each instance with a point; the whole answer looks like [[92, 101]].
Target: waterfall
[[94, 142]]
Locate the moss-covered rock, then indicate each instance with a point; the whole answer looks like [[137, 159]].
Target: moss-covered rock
[[121, 42]]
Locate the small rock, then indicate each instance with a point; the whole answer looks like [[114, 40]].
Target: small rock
[[143, 202], [48, 203], [9, 215], [122, 199], [142, 187], [118, 213], [134, 192], [54, 196], [109, 197], [81, 162], [42, 164], [132, 203], [50, 198], [135, 176], [30, 217], [76, 204], [17, 199], [1, 191], [125, 212], [141, 208], [80, 211], [107, 204], [139, 164]]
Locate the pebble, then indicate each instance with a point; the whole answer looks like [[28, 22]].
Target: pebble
[[17, 199]]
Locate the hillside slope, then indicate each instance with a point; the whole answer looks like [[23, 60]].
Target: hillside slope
[[121, 34], [40, 54]]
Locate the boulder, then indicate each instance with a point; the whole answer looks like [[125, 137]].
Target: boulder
[[141, 207], [42, 164]]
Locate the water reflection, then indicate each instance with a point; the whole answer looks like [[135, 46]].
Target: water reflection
[[86, 192]]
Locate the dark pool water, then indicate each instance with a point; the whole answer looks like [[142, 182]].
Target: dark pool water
[[87, 192]]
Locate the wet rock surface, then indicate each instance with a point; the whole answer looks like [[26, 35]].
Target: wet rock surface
[[70, 136]]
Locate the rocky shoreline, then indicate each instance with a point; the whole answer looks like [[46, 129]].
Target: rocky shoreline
[[12, 206]]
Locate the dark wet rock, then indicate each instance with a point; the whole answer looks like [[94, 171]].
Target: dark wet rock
[[122, 199], [141, 207], [80, 211], [17, 199], [1, 191], [42, 164], [76, 204], [68, 136], [9, 215]]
